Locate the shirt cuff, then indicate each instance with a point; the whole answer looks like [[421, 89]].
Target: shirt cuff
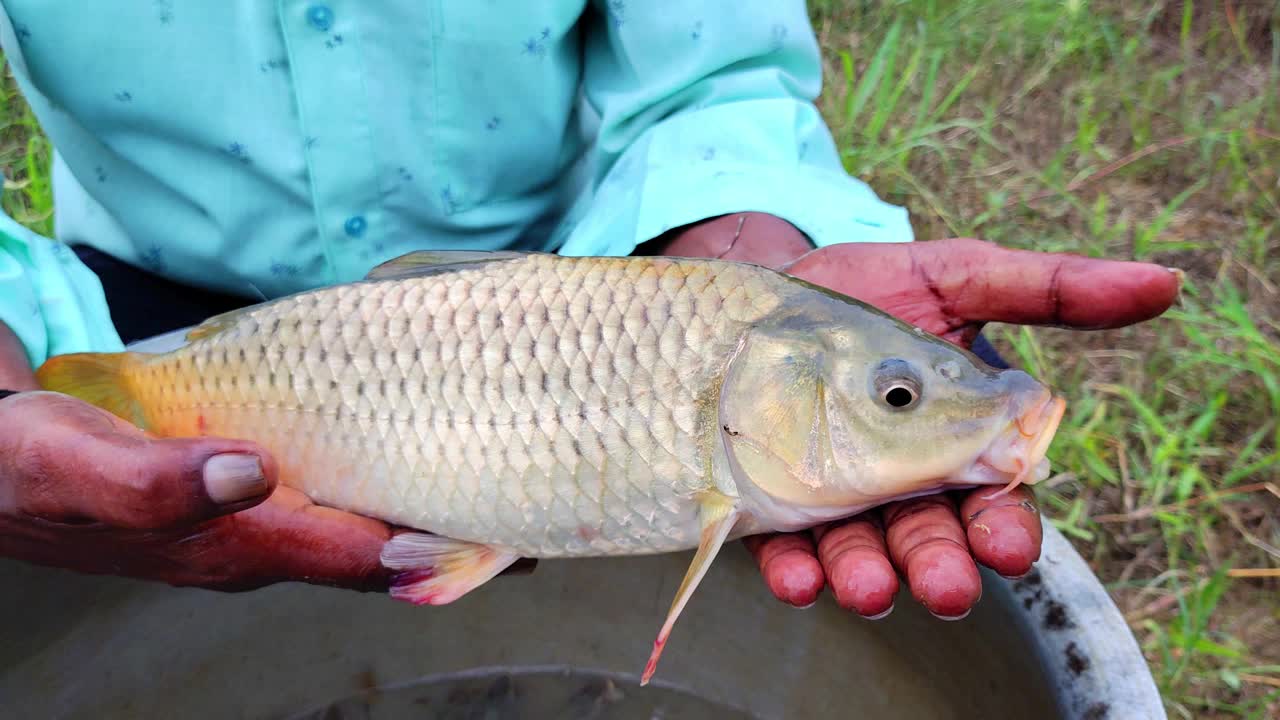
[[49, 299], [771, 157]]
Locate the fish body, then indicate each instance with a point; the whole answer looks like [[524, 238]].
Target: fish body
[[553, 408], [514, 405]]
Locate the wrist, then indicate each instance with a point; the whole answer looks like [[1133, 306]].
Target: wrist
[[745, 237]]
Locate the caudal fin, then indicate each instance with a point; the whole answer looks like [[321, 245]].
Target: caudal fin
[[96, 378]]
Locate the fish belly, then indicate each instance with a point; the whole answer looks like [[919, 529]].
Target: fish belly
[[556, 407]]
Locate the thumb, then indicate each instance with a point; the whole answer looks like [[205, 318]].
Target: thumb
[[141, 483], [170, 482]]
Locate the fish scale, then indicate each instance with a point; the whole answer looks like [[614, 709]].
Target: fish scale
[[537, 394]]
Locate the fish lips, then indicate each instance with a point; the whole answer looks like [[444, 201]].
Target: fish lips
[[1018, 455]]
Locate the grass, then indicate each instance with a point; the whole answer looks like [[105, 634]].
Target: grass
[[1147, 130], [1143, 131], [24, 156]]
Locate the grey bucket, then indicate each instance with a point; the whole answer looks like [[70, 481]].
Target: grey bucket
[[568, 641]]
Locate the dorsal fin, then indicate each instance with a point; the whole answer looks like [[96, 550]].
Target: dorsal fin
[[430, 262], [218, 323]]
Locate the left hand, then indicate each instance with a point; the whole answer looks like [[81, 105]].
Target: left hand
[[950, 288]]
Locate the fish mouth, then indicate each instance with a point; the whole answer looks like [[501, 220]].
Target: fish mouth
[[1018, 454]]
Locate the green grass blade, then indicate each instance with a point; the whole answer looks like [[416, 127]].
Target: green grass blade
[[871, 79]]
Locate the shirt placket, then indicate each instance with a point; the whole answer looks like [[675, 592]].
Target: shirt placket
[[329, 89]]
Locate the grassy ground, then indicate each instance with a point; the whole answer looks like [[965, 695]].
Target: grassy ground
[[1145, 130], [1130, 130]]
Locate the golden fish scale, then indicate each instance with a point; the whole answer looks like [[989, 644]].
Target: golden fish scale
[[553, 406]]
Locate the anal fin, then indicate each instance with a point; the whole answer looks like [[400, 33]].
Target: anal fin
[[718, 515], [435, 570]]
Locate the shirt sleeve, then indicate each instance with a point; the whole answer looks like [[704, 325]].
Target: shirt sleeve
[[706, 108], [49, 298]]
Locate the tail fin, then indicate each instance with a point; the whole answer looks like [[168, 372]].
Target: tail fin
[[96, 378]]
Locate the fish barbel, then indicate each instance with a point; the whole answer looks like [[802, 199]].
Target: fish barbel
[[505, 405]]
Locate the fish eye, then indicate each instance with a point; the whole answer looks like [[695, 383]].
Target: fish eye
[[900, 396], [896, 385]]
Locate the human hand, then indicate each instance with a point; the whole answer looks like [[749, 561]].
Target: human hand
[[950, 288], [83, 490]]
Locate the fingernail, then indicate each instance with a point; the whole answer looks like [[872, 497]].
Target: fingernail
[[1182, 281], [880, 616], [951, 618], [233, 477]]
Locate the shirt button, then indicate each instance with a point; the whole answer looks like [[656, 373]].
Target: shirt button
[[355, 226], [320, 17]]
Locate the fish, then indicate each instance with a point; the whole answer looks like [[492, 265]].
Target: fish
[[498, 405]]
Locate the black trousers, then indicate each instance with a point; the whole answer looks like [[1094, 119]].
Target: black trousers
[[143, 305]]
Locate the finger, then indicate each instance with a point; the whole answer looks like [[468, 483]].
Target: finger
[[789, 565], [289, 538], [982, 282], [171, 482], [292, 538], [856, 562], [63, 473], [928, 547], [284, 539], [1004, 533]]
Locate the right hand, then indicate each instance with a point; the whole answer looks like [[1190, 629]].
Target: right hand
[[84, 490]]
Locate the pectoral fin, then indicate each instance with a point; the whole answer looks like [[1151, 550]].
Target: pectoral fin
[[719, 513], [437, 570]]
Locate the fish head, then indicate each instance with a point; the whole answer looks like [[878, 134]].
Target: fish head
[[835, 410]]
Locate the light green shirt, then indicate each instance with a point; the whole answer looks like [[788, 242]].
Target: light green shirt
[[264, 147]]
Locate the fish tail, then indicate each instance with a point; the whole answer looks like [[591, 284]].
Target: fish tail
[[97, 378]]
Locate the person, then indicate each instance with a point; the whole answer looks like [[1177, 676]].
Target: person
[[209, 155]]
